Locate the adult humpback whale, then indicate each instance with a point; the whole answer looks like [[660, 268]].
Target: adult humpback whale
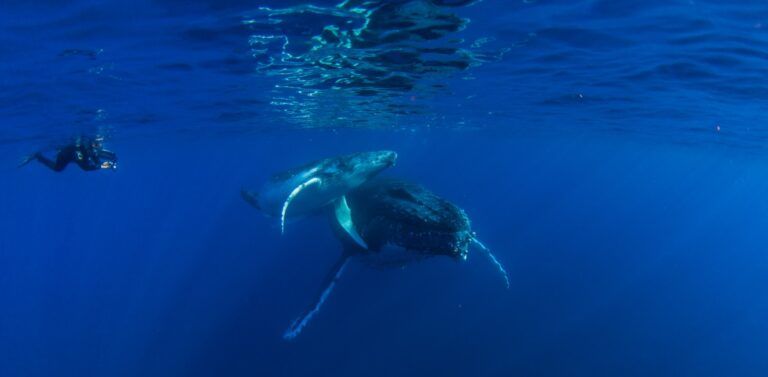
[[399, 222], [307, 189]]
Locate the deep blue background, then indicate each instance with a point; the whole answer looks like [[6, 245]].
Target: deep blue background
[[588, 159], [626, 258]]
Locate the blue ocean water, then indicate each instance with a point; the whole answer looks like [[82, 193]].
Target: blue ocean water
[[611, 154]]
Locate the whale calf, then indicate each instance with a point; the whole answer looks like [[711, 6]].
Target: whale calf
[[399, 222], [311, 187]]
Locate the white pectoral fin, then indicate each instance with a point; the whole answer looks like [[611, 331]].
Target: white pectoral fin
[[493, 259], [344, 217], [330, 282], [291, 196]]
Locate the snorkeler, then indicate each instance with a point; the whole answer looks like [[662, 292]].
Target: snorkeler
[[88, 153]]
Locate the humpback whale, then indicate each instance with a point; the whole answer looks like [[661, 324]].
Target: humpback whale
[[398, 222], [307, 189]]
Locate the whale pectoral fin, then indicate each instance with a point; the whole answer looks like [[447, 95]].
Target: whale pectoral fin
[[291, 196], [493, 259], [344, 218], [330, 282], [250, 197]]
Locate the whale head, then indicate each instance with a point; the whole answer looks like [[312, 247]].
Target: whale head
[[355, 169]]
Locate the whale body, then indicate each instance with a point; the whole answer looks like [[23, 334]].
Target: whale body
[[313, 186], [398, 222]]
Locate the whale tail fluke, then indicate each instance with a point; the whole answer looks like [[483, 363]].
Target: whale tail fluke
[[330, 282], [493, 259]]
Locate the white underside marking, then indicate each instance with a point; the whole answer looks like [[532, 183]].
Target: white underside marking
[[293, 194], [344, 217]]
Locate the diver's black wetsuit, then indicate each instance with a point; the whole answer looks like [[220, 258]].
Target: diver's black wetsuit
[[83, 154]]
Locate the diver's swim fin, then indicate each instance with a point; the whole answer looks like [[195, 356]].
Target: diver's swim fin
[[493, 259], [328, 285], [344, 218], [26, 160], [293, 195]]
